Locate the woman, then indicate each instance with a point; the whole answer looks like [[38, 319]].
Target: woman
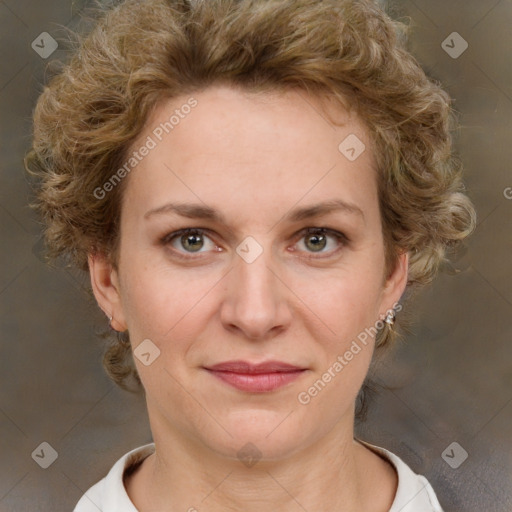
[[252, 186]]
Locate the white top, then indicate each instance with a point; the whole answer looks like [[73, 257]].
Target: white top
[[414, 493]]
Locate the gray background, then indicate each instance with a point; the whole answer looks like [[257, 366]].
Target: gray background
[[450, 380]]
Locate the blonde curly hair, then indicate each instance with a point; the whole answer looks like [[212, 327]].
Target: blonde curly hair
[[141, 52]]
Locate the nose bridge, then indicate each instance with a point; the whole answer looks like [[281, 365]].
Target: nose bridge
[[254, 302], [255, 278]]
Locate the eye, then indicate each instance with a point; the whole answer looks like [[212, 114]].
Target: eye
[[317, 239], [192, 240]]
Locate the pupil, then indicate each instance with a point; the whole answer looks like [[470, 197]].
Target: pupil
[[191, 240], [316, 246]]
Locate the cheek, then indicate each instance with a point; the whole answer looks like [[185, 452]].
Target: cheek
[[159, 300], [345, 349], [165, 309], [346, 301], [162, 303]]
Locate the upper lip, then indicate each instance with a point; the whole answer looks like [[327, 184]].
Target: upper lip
[[250, 368]]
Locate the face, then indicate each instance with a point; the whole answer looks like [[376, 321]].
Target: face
[[283, 260]]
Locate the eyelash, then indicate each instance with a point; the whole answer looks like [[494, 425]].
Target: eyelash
[[341, 238]]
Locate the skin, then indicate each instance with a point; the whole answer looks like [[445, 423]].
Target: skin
[[254, 158]]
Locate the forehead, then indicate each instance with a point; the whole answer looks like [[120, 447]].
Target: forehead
[[237, 147]]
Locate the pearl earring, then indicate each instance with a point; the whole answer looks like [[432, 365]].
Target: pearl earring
[[390, 318]]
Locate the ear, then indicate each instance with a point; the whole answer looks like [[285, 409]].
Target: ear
[[105, 286], [395, 284]]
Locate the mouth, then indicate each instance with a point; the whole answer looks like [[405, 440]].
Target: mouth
[[256, 378]]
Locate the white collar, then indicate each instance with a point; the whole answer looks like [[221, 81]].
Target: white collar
[[414, 493]]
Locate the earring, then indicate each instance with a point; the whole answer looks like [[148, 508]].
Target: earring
[[390, 318]]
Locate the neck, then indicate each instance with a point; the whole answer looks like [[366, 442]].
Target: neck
[[330, 474]]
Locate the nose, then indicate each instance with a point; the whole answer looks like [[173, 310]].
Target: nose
[[256, 301]]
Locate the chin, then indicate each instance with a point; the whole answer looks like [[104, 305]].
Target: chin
[[260, 435]]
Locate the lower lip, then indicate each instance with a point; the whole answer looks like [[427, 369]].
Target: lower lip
[[257, 383]]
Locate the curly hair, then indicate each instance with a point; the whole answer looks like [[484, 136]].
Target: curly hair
[[142, 52]]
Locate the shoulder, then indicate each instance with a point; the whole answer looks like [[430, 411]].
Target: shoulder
[[110, 493], [414, 492]]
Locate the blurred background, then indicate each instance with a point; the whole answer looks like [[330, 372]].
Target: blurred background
[[446, 408]]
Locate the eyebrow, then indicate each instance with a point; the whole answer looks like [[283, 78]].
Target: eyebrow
[[201, 211]]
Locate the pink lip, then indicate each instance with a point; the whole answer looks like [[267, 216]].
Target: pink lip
[[266, 376]]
